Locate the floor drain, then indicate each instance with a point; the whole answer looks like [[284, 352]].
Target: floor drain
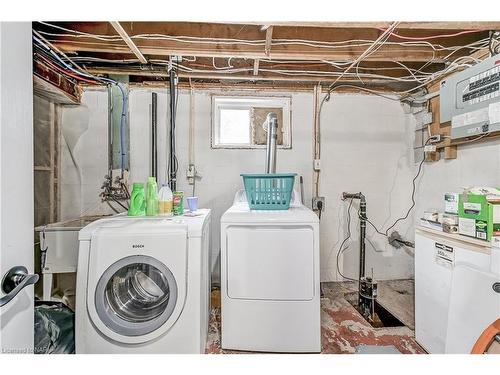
[[381, 318]]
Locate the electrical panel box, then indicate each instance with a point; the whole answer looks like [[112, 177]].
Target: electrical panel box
[[471, 99]]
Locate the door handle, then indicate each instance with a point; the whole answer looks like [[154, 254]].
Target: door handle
[[496, 287], [14, 281]]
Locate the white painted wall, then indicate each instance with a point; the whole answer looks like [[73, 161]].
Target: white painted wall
[[477, 164], [367, 146], [84, 155]]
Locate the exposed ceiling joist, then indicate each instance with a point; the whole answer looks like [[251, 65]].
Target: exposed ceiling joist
[[387, 53], [269, 40], [256, 67], [130, 43], [274, 53], [262, 76], [457, 25]]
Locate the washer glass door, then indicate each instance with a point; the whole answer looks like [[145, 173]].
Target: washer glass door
[[136, 295]]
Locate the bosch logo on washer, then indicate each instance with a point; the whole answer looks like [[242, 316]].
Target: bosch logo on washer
[[138, 246]]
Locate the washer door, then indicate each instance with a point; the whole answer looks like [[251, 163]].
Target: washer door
[[136, 295]]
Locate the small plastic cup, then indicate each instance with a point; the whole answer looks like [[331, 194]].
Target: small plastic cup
[[192, 203]]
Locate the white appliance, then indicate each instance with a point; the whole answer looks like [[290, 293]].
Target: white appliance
[[59, 241], [474, 305], [270, 279], [143, 285], [439, 258]]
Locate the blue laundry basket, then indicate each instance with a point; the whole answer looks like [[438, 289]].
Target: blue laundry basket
[[269, 191]]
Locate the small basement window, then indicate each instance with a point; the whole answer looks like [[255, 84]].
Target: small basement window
[[237, 121]]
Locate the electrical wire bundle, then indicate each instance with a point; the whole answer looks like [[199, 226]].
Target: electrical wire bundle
[[44, 51], [494, 50], [173, 162], [415, 75], [51, 58]]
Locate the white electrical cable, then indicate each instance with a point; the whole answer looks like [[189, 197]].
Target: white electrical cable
[[346, 45], [415, 75], [373, 50], [258, 42], [423, 78], [367, 51], [229, 66], [361, 68]]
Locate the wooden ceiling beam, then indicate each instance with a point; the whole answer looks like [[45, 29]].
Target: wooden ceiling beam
[[130, 43], [386, 53], [262, 76], [252, 45], [256, 67], [269, 40], [452, 25], [227, 86], [249, 86], [280, 86]]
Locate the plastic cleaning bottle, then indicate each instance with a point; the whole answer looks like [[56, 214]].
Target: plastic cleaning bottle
[[165, 198], [151, 197], [137, 205]]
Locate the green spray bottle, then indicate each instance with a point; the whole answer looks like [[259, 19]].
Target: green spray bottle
[[137, 205], [152, 204]]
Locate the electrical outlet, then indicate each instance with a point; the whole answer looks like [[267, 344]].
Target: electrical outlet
[[316, 204], [191, 174], [317, 164], [191, 171], [436, 138]]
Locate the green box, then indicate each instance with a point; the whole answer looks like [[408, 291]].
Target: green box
[[477, 217]]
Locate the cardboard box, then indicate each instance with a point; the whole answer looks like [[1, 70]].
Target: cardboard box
[[451, 203], [477, 217]]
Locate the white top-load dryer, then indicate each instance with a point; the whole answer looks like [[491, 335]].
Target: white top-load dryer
[[270, 279], [143, 285]]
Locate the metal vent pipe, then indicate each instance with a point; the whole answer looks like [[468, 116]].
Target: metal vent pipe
[[154, 134], [271, 125]]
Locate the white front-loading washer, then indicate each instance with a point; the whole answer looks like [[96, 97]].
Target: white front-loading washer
[[143, 285], [270, 286]]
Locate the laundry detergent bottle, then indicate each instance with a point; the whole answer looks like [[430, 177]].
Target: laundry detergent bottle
[[151, 197], [165, 198], [137, 206]]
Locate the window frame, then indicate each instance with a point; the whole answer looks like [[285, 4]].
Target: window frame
[[247, 102]]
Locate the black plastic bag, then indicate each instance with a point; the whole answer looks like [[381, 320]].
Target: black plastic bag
[[54, 328]]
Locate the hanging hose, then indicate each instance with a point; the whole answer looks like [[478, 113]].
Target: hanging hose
[[122, 130], [173, 163]]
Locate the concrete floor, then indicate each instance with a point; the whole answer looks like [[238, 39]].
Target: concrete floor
[[343, 329]]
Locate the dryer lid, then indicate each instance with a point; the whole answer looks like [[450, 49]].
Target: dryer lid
[[241, 213]]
